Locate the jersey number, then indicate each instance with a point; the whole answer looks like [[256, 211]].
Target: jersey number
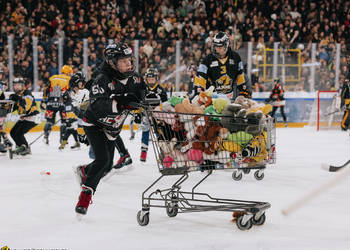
[[97, 90], [223, 70]]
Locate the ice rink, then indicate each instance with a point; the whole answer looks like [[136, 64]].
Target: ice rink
[[37, 211]]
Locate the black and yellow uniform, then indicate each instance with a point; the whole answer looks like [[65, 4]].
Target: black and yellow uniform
[[224, 74], [26, 107], [71, 123], [345, 101], [52, 98]]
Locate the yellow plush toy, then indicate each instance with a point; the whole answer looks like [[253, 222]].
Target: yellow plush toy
[[256, 149]]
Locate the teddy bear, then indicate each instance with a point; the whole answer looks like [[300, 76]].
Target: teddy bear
[[203, 99], [233, 118]]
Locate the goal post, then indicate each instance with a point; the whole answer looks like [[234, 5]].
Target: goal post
[[326, 113]]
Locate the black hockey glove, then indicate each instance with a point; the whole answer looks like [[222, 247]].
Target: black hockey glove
[[246, 93], [66, 97], [127, 101], [137, 118]]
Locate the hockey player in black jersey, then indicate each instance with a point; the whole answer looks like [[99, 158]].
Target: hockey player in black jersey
[[345, 102], [26, 107], [154, 92], [112, 95], [223, 69]]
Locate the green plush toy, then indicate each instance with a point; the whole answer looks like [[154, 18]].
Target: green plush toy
[[175, 100], [219, 104], [210, 110], [241, 138]]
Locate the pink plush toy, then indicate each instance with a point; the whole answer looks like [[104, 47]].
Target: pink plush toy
[[195, 155], [168, 161]]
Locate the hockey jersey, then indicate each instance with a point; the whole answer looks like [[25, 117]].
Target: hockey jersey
[[26, 105], [345, 94], [277, 95], [55, 89], [224, 74]]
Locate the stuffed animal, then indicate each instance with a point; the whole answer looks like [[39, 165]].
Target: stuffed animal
[[256, 149], [241, 138], [203, 99], [219, 104], [233, 118]]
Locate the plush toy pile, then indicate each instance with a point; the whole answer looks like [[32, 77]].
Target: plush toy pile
[[211, 131]]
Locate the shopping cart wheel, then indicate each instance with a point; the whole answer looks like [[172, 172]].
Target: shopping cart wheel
[[258, 221], [172, 210], [259, 175], [142, 218], [248, 225], [236, 175], [246, 171]]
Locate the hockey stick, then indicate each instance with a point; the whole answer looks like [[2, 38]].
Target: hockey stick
[[43, 133], [335, 111], [332, 168], [315, 192]]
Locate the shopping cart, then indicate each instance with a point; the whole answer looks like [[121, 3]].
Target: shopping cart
[[184, 143]]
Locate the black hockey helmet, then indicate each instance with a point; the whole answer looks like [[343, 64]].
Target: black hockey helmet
[[220, 40], [75, 79], [152, 73], [116, 51]]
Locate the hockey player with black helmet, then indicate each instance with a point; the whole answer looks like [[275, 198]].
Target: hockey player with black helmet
[[26, 107], [112, 95], [223, 69], [345, 103], [155, 94]]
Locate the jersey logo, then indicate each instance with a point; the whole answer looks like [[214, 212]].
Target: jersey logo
[[111, 85], [224, 84], [214, 64], [231, 61]]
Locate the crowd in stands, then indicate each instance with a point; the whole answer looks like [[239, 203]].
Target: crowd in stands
[[158, 24]]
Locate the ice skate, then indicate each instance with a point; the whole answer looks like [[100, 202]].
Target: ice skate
[[75, 146], [84, 200], [63, 144], [46, 139], [19, 150], [123, 161], [80, 174], [143, 156]]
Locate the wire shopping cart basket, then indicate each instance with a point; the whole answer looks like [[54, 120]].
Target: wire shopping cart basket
[[184, 143]]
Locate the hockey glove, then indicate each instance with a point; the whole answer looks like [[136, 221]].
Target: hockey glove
[[137, 118], [246, 93], [126, 101], [43, 105]]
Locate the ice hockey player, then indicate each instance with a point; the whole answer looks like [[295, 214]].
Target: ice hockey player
[[26, 106], [5, 108], [345, 102], [223, 69], [154, 92], [277, 98], [53, 100], [112, 95]]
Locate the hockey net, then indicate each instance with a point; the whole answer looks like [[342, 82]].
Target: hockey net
[[326, 113]]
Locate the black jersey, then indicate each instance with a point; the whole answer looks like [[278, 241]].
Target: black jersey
[[224, 74], [157, 90], [25, 104], [109, 98]]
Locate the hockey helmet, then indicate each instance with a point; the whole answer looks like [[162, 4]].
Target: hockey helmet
[[151, 73], [220, 40], [18, 85], [67, 70], [76, 79], [116, 51]]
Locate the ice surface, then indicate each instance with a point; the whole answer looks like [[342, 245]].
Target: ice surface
[[37, 211]]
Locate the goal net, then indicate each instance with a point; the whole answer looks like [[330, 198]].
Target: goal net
[[326, 113]]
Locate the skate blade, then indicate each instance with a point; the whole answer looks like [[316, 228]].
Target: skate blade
[[114, 171]]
